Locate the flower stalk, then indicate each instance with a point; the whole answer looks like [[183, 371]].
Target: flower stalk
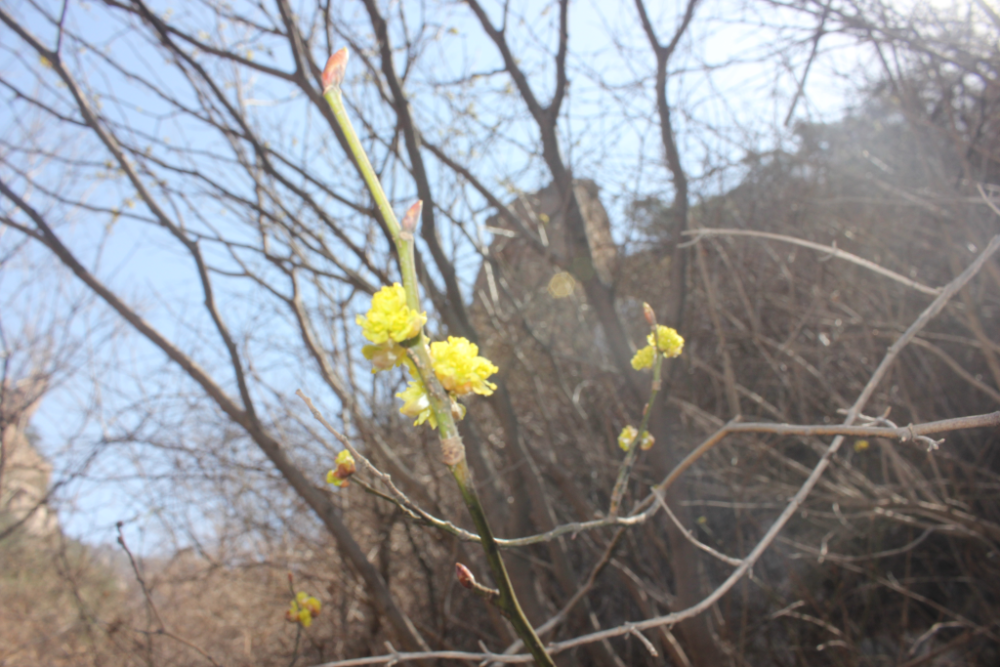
[[333, 75], [663, 343], [625, 470], [455, 363]]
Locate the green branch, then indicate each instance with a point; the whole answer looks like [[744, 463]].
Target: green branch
[[452, 450]]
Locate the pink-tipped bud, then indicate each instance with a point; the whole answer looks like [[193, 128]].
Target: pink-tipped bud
[[291, 578], [465, 576], [647, 310], [333, 73], [410, 220]]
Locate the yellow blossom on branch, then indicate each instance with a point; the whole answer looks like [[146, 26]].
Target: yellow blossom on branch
[[345, 468], [416, 404], [460, 369], [669, 342], [303, 609], [628, 435], [643, 358], [389, 318]]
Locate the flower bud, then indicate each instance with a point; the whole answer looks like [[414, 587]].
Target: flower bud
[[465, 576], [345, 468], [457, 410], [409, 223], [647, 310], [333, 73], [303, 609], [628, 437]]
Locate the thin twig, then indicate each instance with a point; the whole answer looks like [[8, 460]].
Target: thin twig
[[735, 562], [832, 251], [647, 508], [139, 578], [837, 558], [161, 629]]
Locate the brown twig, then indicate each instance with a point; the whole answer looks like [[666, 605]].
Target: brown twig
[[161, 628], [831, 251]]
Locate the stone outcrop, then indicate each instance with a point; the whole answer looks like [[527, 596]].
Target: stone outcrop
[[24, 472], [522, 289]]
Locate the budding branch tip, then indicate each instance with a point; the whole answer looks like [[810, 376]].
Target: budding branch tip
[[465, 576], [410, 220], [650, 314], [333, 73]]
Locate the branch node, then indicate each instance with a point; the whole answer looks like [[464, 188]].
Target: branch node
[[452, 451]]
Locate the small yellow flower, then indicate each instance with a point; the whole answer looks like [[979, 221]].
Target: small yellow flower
[[670, 343], [303, 609], [460, 369], [416, 404], [311, 604], [860, 445], [390, 318], [628, 435], [345, 468], [643, 358]]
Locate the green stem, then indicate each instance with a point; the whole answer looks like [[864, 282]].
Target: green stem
[[448, 432], [451, 444], [508, 603], [407, 266]]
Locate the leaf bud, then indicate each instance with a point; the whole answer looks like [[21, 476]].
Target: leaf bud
[[410, 220], [465, 576], [333, 73], [649, 313]]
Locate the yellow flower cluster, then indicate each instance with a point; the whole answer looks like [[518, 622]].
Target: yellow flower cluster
[[669, 342], [460, 370], [303, 609], [628, 435], [456, 362], [388, 323], [345, 468], [390, 317]]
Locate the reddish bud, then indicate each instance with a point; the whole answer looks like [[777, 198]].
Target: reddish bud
[[647, 310], [345, 469], [465, 576], [409, 223], [333, 74]]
